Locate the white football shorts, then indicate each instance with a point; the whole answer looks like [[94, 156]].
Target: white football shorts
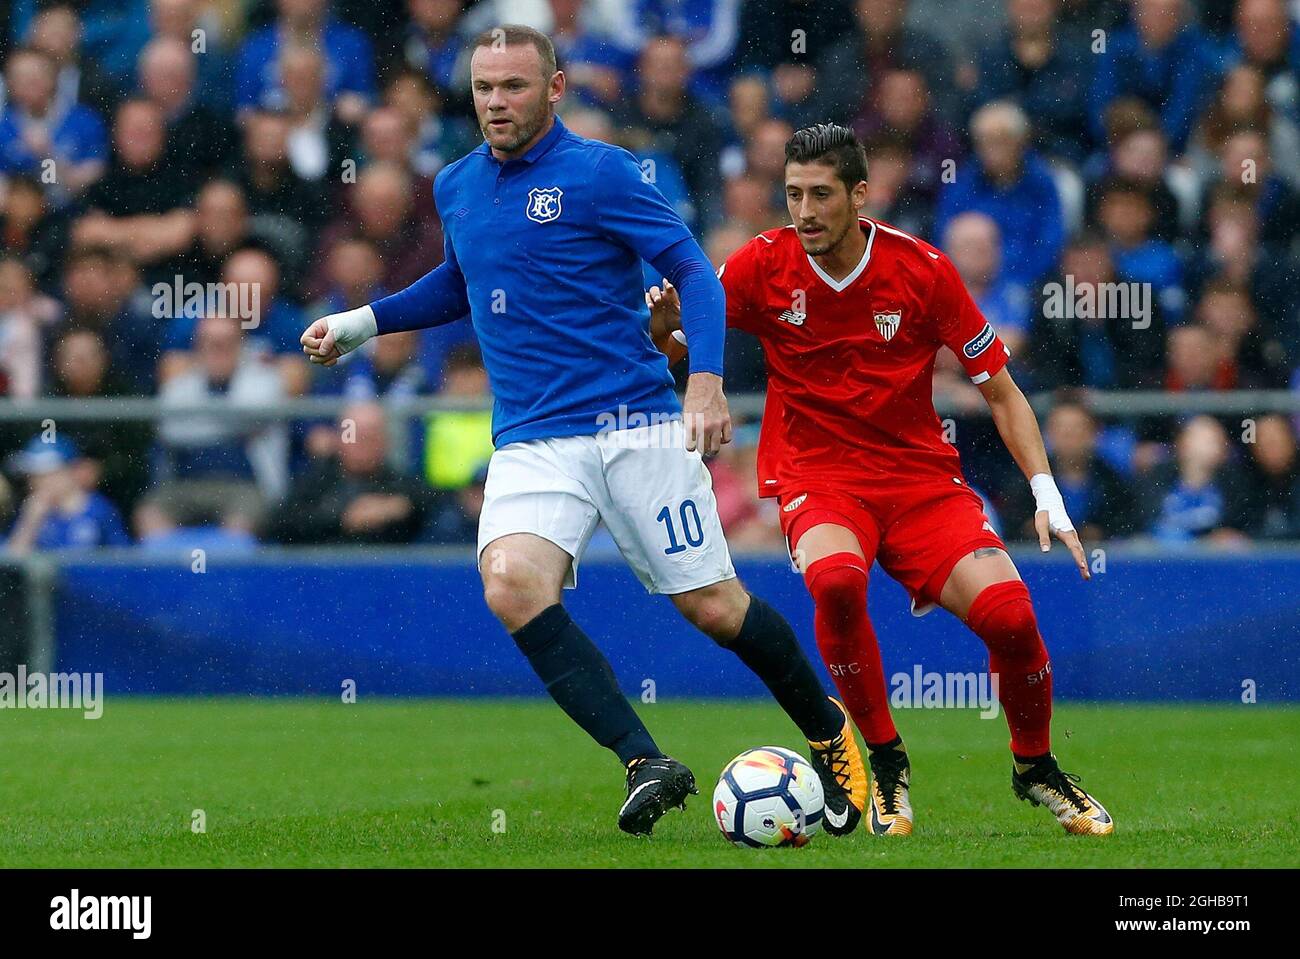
[[654, 496]]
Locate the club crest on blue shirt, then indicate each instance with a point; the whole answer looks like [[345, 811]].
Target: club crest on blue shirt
[[544, 204]]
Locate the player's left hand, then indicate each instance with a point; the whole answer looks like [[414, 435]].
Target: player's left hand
[[705, 414], [1050, 519], [1069, 537]]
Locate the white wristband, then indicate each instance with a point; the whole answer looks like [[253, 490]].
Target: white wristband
[[1048, 498], [352, 328], [680, 336]]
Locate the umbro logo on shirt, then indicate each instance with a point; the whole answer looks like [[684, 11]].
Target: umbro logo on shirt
[[793, 317]]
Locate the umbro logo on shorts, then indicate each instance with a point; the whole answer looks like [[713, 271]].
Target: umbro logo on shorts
[[794, 504]]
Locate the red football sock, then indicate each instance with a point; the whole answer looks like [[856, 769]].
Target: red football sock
[[838, 584], [1003, 617]]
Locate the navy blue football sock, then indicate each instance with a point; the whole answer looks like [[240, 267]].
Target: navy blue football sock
[[768, 646], [582, 683]]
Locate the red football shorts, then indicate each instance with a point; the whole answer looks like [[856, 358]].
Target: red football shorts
[[916, 531]]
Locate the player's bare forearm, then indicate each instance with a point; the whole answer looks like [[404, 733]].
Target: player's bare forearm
[[1018, 427], [1016, 423]]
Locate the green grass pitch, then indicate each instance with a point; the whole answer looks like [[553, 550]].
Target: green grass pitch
[[290, 782]]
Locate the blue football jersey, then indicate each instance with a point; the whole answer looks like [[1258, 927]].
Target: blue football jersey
[[550, 247]]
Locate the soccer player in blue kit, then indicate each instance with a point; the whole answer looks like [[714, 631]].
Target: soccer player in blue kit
[[544, 234]]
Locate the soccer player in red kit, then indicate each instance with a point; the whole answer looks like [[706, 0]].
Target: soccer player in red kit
[[851, 314]]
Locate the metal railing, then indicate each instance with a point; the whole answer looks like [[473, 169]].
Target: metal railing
[[1111, 404]]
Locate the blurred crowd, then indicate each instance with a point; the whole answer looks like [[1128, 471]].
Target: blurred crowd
[[286, 149]]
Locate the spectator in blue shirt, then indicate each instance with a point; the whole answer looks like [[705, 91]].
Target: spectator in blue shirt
[[349, 61], [1266, 38], [665, 116], [112, 31], [1191, 494], [34, 129], [1013, 186], [178, 20], [59, 512], [595, 67], [56, 31], [1127, 219], [1246, 166], [435, 42], [709, 28], [1045, 68], [1163, 59], [974, 245], [250, 277]]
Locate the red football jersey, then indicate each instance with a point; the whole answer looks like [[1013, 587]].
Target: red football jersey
[[850, 363]]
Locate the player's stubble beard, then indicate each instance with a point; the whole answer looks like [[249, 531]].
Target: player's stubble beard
[[528, 126], [830, 246]]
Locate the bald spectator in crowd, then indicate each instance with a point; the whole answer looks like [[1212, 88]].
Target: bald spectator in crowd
[[199, 138], [974, 244], [145, 207], [387, 137], [271, 185], [355, 496], [1007, 181], [318, 140], [383, 213]]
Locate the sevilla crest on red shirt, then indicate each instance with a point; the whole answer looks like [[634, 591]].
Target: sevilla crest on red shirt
[[888, 323]]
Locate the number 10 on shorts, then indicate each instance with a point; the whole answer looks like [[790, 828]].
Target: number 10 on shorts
[[691, 527]]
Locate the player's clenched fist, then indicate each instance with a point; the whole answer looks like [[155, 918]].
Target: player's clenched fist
[[707, 419], [332, 336]]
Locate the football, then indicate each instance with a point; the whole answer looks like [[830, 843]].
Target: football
[[768, 796]]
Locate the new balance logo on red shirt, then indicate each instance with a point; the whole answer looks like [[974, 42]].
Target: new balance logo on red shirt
[[793, 317]]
